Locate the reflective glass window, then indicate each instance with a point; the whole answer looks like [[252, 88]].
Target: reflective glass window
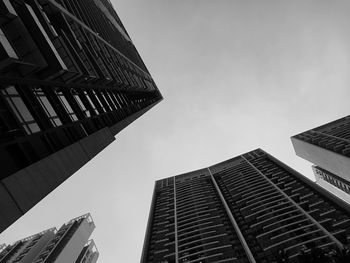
[[91, 103], [7, 46], [19, 108], [81, 105], [67, 106], [46, 105], [111, 99], [104, 97], [117, 100], [103, 108]]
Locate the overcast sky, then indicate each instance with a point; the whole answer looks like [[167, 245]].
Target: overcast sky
[[235, 76]]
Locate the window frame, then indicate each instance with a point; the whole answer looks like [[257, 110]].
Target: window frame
[[30, 126], [54, 118]]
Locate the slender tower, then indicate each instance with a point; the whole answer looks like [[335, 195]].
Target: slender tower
[[251, 208], [70, 80]]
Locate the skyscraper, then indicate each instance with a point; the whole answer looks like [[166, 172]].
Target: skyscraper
[[67, 245], [70, 80], [328, 147], [251, 208]]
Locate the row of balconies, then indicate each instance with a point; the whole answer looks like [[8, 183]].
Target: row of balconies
[[337, 145], [321, 210], [203, 233], [162, 231]]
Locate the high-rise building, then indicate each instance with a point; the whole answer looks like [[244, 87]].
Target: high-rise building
[[328, 147], [69, 244], [70, 80], [251, 208]]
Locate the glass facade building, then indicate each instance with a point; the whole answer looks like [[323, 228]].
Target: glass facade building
[[70, 80], [328, 148], [251, 208], [70, 244]]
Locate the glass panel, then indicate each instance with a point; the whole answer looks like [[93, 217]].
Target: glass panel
[[11, 90], [121, 97], [18, 116], [48, 106], [98, 100], [57, 121], [34, 127], [117, 100], [49, 110], [103, 95], [67, 106], [92, 104], [7, 46], [111, 99], [82, 106], [22, 108]]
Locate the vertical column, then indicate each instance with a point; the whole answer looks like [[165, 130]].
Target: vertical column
[[232, 219], [175, 225]]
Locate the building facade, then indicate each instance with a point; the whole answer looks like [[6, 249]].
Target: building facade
[[70, 80], [332, 183], [70, 244], [251, 208], [328, 147]]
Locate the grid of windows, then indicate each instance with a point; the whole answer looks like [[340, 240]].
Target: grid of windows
[[19, 108]]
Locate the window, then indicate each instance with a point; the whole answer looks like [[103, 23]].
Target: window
[[104, 97], [121, 99], [67, 106], [21, 111], [81, 104], [116, 100], [49, 110], [7, 46], [48, 21], [91, 103], [124, 98], [111, 99], [103, 108]]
